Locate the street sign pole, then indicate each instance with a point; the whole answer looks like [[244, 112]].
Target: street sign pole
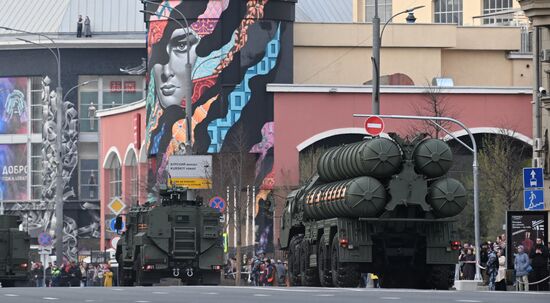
[[533, 188]]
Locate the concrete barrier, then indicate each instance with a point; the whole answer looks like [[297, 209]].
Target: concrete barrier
[[468, 285]]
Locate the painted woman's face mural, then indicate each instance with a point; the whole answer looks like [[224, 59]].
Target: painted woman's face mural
[[235, 48], [172, 77]]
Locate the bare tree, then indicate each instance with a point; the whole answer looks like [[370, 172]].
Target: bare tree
[[308, 162], [501, 160], [434, 104], [234, 165]]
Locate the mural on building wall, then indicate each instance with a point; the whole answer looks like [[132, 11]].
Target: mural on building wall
[[13, 162], [14, 116], [234, 48]]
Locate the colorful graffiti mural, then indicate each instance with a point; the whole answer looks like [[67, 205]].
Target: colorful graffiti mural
[[14, 116], [228, 51], [232, 56]]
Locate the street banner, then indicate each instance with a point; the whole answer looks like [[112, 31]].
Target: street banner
[[191, 171], [13, 163], [14, 111]]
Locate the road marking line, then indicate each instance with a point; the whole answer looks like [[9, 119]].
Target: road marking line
[[324, 295], [11, 295], [118, 289], [160, 293], [390, 298], [50, 298], [469, 301], [89, 301], [209, 293], [261, 295], [143, 301]]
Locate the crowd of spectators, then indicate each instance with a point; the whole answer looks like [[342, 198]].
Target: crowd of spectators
[[530, 262], [71, 274]]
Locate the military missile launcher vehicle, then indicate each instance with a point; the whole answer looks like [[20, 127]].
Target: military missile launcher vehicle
[[381, 206], [14, 252], [172, 238]]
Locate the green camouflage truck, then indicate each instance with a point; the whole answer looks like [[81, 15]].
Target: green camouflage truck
[[383, 206], [173, 238], [14, 252]]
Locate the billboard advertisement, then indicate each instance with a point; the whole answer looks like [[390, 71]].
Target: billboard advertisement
[[14, 112], [523, 228], [13, 162]]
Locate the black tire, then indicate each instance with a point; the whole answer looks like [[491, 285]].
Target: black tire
[[294, 260], [308, 275], [441, 277], [323, 263], [343, 274]]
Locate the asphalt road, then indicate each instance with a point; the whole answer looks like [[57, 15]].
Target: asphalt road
[[229, 294]]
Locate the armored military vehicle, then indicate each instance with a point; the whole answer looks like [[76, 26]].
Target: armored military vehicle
[[172, 238], [14, 252], [382, 205]]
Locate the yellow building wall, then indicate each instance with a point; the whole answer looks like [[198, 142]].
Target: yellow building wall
[[471, 8], [478, 68], [344, 65], [423, 15]]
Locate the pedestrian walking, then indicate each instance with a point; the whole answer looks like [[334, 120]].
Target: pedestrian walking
[[469, 264], [281, 272], [492, 268], [38, 274], [539, 262], [500, 280], [56, 276], [107, 278], [522, 268], [49, 275], [79, 25], [87, 28]]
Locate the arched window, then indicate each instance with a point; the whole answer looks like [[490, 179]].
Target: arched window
[[132, 177], [115, 176]]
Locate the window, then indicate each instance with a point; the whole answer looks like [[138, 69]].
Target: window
[[448, 11], [384, 10], [132, 170], [36, 105], [115, 177], [89, 177], [494, 6], [36, 171], [106, 92]]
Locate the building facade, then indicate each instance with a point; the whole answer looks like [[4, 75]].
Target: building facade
[[460, 12], [93, 76]]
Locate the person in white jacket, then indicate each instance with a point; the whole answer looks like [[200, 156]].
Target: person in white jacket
[[500, 281]]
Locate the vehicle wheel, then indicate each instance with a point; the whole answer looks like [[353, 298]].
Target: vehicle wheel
[[441, 277], [343, 274], [308, 275], [294, 260], [323, 263]]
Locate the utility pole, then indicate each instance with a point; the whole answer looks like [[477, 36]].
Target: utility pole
[[537, 109], [376, 61]]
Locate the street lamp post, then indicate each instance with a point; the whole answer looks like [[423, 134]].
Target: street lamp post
[[189, 87], [376, 44], [59, 155]]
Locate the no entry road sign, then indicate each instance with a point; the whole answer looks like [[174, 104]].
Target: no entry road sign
[[374, 125]]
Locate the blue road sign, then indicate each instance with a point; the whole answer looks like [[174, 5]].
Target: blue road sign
[[533, 177], [533, 199], [217, 203], [44, 239], [112, 225]]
